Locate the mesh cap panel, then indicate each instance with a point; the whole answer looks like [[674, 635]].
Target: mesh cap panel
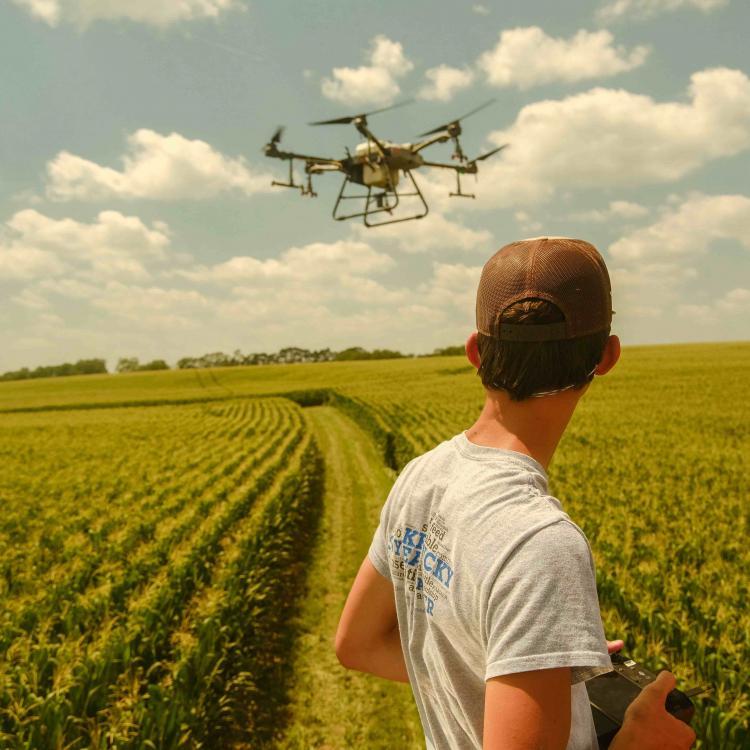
[[569, 273]]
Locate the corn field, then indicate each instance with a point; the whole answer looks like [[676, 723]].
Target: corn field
[[157, 530]]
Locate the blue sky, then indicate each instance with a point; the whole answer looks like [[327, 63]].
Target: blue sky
[[137, 217]]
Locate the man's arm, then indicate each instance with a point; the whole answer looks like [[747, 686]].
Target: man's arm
[[527, 710], [367, 638]]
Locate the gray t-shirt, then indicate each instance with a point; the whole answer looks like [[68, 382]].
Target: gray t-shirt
[[491, 577]]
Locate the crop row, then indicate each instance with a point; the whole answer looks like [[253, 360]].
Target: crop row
[[58, 681], [65, 514], [111, 566]]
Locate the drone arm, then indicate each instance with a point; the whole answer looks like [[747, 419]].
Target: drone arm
[[468, 168], [439, 138], [276, 154], [320, 167], [367, 133]]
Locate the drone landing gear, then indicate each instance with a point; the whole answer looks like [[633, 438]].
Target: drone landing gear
[[459, 193], [380, 202], [306, 189]]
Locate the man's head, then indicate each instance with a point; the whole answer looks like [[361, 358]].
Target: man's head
[[544, 310]]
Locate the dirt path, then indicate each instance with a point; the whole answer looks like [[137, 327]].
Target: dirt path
[[331, 707]]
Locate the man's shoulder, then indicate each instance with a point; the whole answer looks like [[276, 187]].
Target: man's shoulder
[[559, 538], [437, 453]]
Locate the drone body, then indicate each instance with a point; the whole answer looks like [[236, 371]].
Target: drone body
[[377, 165]]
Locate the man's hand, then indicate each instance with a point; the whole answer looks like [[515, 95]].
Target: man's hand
[[613, 646], [649, 726]]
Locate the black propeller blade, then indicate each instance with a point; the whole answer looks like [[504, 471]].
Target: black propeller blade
[[455, 122], [276, 137], [488, 154], [352, 118]]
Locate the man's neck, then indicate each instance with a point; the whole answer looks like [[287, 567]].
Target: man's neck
[[533, 426]]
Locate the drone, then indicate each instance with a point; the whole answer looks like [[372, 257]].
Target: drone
[[378, 165]]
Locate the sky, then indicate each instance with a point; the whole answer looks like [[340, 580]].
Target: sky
[[137, 216]]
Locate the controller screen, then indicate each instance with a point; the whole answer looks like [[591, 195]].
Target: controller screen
[[612, 694]]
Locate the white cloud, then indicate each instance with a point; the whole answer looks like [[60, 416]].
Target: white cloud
[[656, 262], [334, 294], [611, 137], [152, 306], [161, 13], [168, 167], [645, 290], [444, 82], [31, 299], [651, 276], [527, 224], [114, 246], [526, 57], [735, 302], [433, 232], [374, 83], [703, 314], [22, 262], [480, 10], [615, 210], [328, 292], [641, 9], [453, 286], [689, 229], [302, 265]]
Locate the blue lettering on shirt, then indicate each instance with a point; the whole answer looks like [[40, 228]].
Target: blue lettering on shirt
[[411, 534], [411, 549]]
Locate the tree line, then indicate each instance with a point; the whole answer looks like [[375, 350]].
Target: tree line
[[82, 367], [288, 355]]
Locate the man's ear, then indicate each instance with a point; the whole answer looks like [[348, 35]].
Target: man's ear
[[610, 355], [472, 350]]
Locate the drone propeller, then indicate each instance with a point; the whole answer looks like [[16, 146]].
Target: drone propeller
[[363, 115], [276, 137], [488, 154], [453, 124]]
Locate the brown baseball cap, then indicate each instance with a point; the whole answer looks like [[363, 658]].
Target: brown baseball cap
[[567, 272]]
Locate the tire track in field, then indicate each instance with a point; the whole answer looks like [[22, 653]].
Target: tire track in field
[[332, 708]]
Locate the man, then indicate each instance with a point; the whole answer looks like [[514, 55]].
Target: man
[[478, 588]]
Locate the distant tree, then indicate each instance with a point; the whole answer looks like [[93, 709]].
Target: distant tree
[[353, 352], [357, 352], [386, 354], [216, 359], [155, 364], [127, 364], [448, 351], [89, 367], [82, 367], [23, 374], [287, 355], [292, 354]]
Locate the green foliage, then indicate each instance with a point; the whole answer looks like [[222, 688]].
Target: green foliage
[[81, 367], [289, 355], [132, 364], [154, 364], [448, 351], [127, 364], [128, 533], [357, 352]]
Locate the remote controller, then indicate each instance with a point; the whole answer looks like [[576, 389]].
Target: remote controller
[[611, 693]]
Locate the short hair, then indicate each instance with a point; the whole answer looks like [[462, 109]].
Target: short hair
[[523, 368]]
